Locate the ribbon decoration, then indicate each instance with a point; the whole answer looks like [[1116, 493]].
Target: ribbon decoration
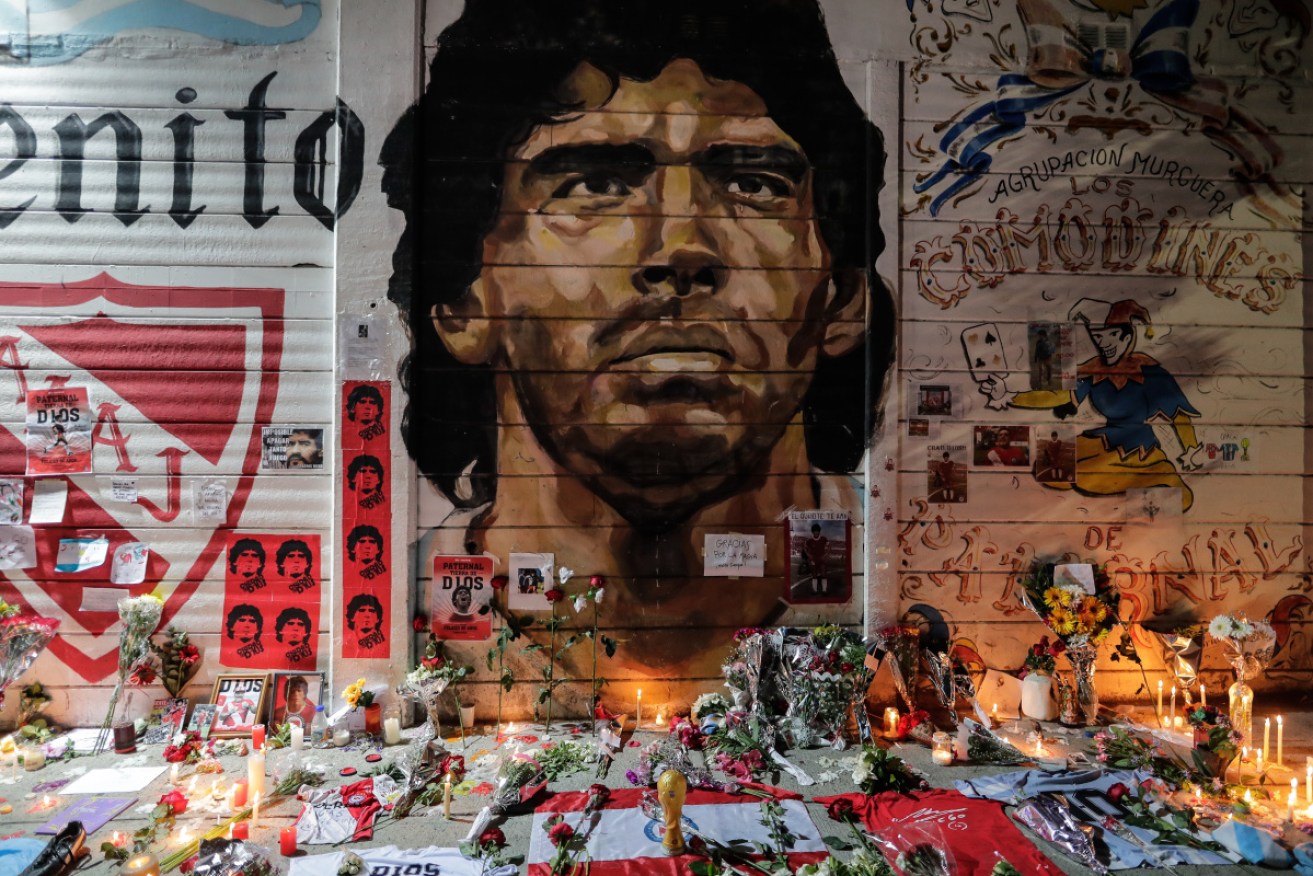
[[1064, 58]]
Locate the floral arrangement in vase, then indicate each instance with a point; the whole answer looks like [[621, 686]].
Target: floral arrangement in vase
[[1250, 645], [1041, 658], [1216, 742]]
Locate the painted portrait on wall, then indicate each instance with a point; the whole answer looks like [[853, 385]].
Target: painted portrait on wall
[[641, 269]]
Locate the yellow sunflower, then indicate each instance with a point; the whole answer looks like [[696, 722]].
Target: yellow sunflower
[[1062, 621], [1056, 596]]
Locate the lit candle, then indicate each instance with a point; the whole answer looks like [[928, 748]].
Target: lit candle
[[1258, 763], [257, 736], [1267, 736], [1308, 783], [660, 719], [287, 841], [638, 709], [1281, 741], [255, 810], [1294, 789], [342, 736], [1159, 711], [446, 796], [255, 773], [1173, 715], [1249, 796], [173, 774], [141, 865], [184, 837], [119, 839], [240, 830], [1244, 756], [891, 721], [1203, 696], [1290, 807], [993, 714], [296, 735]]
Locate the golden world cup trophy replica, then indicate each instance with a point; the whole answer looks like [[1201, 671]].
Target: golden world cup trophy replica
[[671, 790]]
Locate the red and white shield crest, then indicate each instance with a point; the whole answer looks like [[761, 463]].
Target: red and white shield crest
[[180, 381]]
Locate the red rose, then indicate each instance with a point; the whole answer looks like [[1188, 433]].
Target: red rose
[[560, 833], [1117, 791], [1058, 647], [597, 581], [840, 809], [175, 800], [556, 594], [599, 793], [492, 836], [419, 623], [189, 654], [188, 865], [499, 582]]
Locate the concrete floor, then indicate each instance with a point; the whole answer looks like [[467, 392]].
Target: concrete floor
[[434, 830]]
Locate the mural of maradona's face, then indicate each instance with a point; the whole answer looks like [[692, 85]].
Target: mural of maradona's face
[[686, 281]]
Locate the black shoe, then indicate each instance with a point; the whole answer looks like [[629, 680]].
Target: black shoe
[[61, 854]]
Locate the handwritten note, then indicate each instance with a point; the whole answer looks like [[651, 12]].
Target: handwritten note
[[731, 555]]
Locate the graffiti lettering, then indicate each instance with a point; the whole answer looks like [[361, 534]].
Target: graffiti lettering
[[310, 164], [966, 566], [9, 359], [105, 416]]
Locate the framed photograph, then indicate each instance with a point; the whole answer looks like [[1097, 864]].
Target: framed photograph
[[295, 693], [166, 720], [239, 700], [820, 558], [202, 719]]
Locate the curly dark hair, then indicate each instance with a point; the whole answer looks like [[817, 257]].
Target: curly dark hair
[[241, 546], [291, 614], [364, 530], [495, 79], [242, 610], [289, 547], [359, 601], [361, 393], [364, 460]]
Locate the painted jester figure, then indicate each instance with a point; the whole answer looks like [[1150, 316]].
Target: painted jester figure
[[1130, 390], [640, 292]]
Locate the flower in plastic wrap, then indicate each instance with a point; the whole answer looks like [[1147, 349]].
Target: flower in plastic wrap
[[985, 746]]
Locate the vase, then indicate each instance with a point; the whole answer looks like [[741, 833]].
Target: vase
[[1036, 696], [1240, 696], [467, 717], [1082, 659], [374, 719]]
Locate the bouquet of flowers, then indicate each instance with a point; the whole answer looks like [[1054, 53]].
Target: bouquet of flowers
[[899, 645], [708, 712], [22, 639], [434, 674], [876, 770], [745, 669], [1040, 657], [140, 616], [355, 695], [1250, 642], [519, 778], [916, 726], [177, 658], [986, 746], [669, 754], [822, 676], [1216, 742]]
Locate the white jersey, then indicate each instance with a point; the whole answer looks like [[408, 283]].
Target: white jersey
[[392, 861]]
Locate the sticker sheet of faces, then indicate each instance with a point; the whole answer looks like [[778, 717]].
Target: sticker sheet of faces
[[271, 601], [367, 504]]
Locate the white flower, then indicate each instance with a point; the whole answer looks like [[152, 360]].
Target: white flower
[[564, 573], [1220, 627], [580, 603], [1242, 629], [709, 704], [597, 595]]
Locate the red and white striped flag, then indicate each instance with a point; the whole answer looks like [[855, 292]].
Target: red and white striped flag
[[626, 842]]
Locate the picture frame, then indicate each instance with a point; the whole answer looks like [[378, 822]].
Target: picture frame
[[313, 696], [239, 699], [202, 719]]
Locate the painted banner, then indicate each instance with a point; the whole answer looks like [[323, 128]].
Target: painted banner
[[58, 431], [271, 602], [462, 590], [367, 512]]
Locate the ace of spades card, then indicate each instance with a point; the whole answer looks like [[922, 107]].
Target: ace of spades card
[[983, 346]]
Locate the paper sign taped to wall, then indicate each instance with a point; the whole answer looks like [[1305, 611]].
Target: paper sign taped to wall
[[734, 555], [101, 599], [530, 579], [11, 501], [129, 564], [123, 489], [58, 434], [17, 547], [49, 497], [209, 501], [80, 554]]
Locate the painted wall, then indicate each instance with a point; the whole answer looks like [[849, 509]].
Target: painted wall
[[209, 221]]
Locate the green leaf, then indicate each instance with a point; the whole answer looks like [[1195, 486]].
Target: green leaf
[[536, 646], [609, 644], [838, 845]]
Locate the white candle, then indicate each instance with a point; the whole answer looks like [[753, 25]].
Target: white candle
[[1159, 711], [173, 774], [1203, 696], [1258, 763], [1294, 789], [1281, 741], [891, 720], [1267, 736], [1308, 783], [638, 710], [255, 811], [446, 797], [391, 731], [255, 773], [1244, 756], [296, 735], [1290, 807], [341, 737], [1173, 724]]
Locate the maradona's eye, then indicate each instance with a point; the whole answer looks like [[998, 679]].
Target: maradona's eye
[[758, 185], [598, 185]]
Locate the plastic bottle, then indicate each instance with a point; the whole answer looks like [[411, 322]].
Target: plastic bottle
[[319, 729]]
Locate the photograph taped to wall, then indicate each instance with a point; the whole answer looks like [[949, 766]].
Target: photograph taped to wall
[[11, 501], [295, 695], [1050, 355], [291, 448], [58, 435], [946, 473], [1000, 446], [239, 699], [531, 576], [820, 565], [1055, 454], [462, 591], [934, 400]]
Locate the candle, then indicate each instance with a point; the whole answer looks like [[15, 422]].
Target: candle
[[34, 757], [446, 796], [255, 773], [141, 865], [993, 713], [1281, 741], [341, 737], [1249, 796], [1267, 736], [391, 735], [296, 735], [638, 709], [257, 736], [1294, 789], [240, 788], [1178, 722], [1203, 696], [1173, 715], [660, 718], [173, 774], [1290, 807], [239, 830], [942, 753], [119, 839], [287, 841], [255, 810], [191, 786], [125, 738], [1159, 711], [1308, 783], [1258, 763], [1244, 756], [891, 721]]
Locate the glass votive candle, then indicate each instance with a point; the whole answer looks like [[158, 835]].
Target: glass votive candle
[[141, 865], [942, 753], [125, 738], [891, 721], [392, 724], [34, 757]]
